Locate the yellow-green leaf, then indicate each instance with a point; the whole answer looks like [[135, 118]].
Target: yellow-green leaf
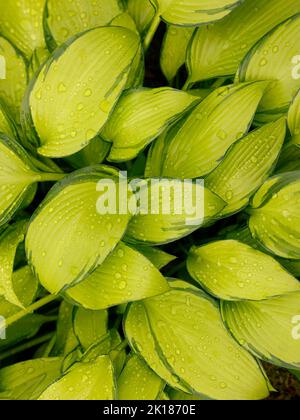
[[247, 165], [294, 119], [231, 270], [208, 132], [124, 276], [64, 19], [84, 381], [138, 382], [13, 85], [140, 116], [17, 175], [22, 23], [9, 241], [27, 380], [194, 12], [94, 153], [67, 237], [89, 326], [218, 49], [267, 329], [191, 343], [274, 217], [272, 59], [142, 12], [174, 49], [165, 221], [66, 341], [62, 127], [157, 256]]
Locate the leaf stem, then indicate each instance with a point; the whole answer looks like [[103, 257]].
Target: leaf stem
[[151, 32], [37, 305], [48, 177], [33, 343], [186, 85]]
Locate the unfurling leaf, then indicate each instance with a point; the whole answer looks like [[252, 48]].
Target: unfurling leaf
[[124, 276], [62, 128], [174, 48], [231, 270], [140, 116], [181, 336], [246, 166], [218, 49], [267, 329], [274, 216], [273, 58]]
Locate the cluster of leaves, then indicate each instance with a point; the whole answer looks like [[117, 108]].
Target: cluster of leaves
[[73, 99]]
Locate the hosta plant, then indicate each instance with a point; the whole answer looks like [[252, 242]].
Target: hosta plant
[[114, 285]]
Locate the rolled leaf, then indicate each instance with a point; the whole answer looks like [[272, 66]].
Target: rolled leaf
[[272, 59], [7, 125], [17, 176], [213, 126], [142, 12], [39, 57], [84, 381], [194, 12], [22, 23], [140, 116], [25, 285], [67, 237], [231, 270], [61, 128], [9, 241], [267, 329], [174, 49], [218, 49], [64, 19], [13, 85], [89, 326], [138, 382], [294, 119], [125, 276], [190, 343], [274, 217], [246, 166], [66, 341], [27, 380]]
